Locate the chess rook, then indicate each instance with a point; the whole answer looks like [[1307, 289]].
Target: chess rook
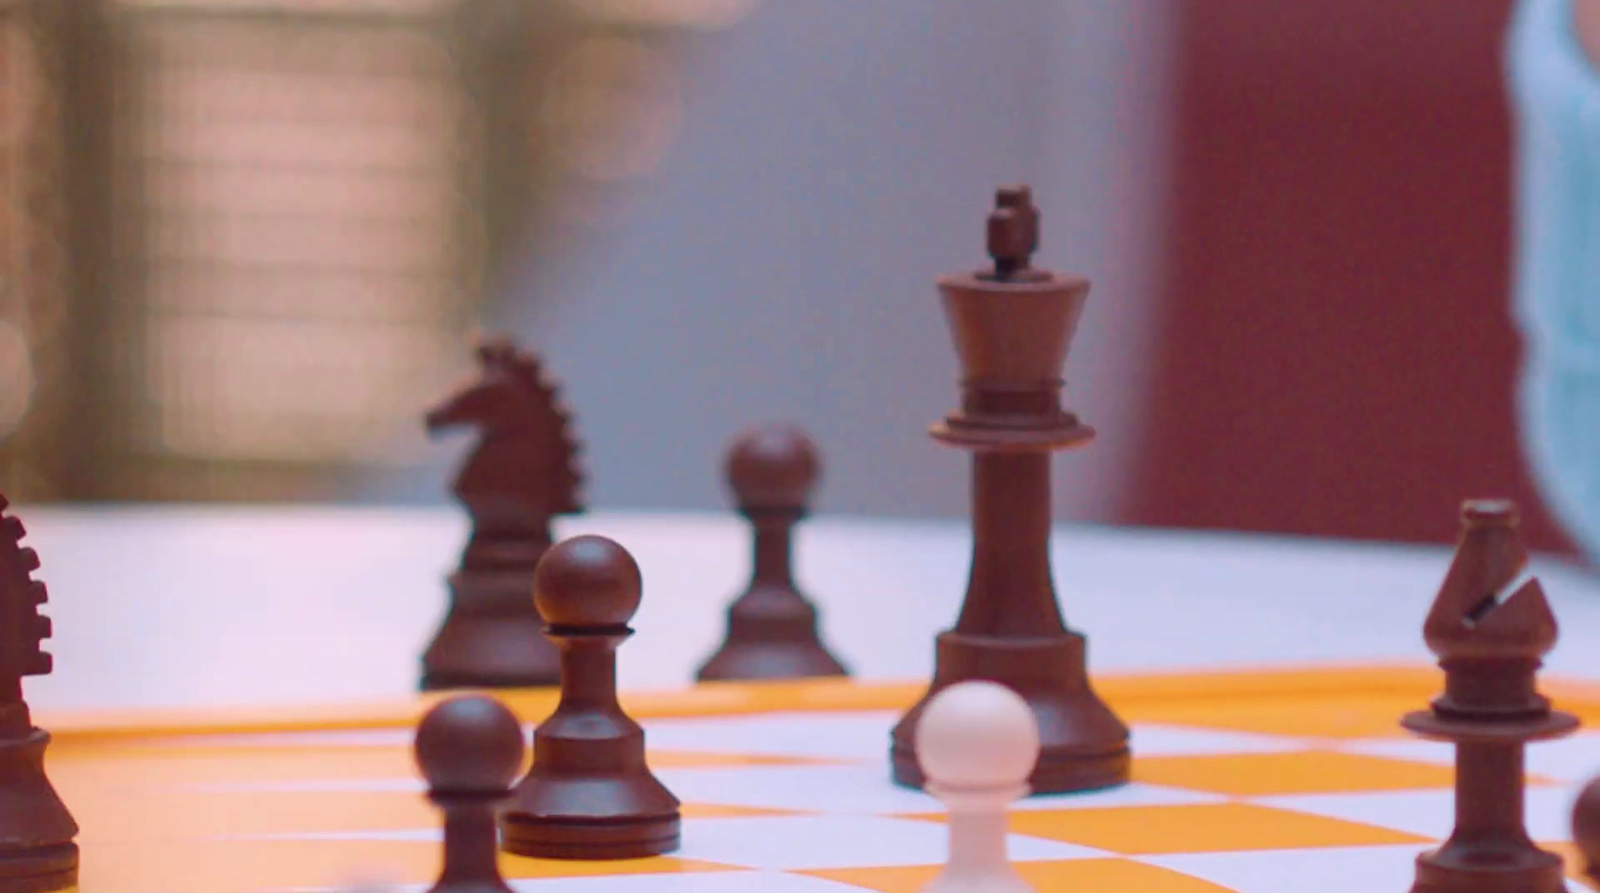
[[522, 473], [1490, 638], [977, 742], [470, 750], [1012, 326], [38, 852], [589, 793], [772, 628]]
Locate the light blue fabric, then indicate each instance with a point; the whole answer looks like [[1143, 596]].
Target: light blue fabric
[[1556, 100]]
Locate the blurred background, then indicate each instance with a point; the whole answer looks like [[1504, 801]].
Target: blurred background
[[244, 244]]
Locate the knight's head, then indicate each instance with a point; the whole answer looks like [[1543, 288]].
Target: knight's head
[[507, 391]]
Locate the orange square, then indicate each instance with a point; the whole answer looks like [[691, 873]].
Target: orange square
[[1336, 714], [239, 866], [1299, 772], [1196, 828], [1075, 874]]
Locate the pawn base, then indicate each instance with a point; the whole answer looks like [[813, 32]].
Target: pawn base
[[770, 660], [772, 634], [492, 637], [1455, 869], [562, 837], [39, 870], [1083, 745]]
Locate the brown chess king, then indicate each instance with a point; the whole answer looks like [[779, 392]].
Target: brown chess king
[[1012, 326]]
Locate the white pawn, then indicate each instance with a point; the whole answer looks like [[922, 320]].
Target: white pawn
[[977, 743]]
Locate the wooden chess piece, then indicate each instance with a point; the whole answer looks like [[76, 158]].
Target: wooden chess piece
[[1490, 643], [38, 852], [522, 473], [470, 750], [1586, 830], [772, 627], [589, 793], [1012, 326]]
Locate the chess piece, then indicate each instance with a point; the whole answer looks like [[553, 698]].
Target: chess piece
[[589, 794], [1490, 638], [470, 750], [38, 852], [522, 473], [1012, 326], [1586, 829], [976, 744], [772, 627]]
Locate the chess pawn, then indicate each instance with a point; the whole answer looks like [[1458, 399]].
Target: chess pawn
[[976, 743], [470, 750], [589, 793], [772, 627], [1586, 830]]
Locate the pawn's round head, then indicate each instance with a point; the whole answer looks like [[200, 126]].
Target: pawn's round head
[[1586, 827], [469, 745], [977, 734], [587, 581], [773, 466]]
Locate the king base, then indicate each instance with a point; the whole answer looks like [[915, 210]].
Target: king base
[[1083, 745]]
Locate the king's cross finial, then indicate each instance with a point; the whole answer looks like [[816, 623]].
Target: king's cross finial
[[1013, 231]]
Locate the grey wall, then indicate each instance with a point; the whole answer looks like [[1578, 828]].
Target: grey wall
[[835, 157]]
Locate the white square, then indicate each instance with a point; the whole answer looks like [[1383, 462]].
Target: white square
[[839, 735], [1156, 740], [687, 882], [1574, 759], [857, 788], [842, 841], [1321, 870], [865, 789], [1430, 813]]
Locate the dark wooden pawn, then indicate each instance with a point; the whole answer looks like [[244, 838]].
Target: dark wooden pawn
[[589, 793], [470, 750], [1586, 830], [1490, 643], [772, 628]]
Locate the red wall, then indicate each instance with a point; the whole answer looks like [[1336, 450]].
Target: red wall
[[1337, 356]]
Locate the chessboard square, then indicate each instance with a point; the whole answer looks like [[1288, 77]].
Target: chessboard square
[[1134, 793], [1077, 874], [723, 882], [845, 735], [856, 788], [1352, 714], [522, 867], [1302, 772], [1547, 762], [1429, 814], [162, 768], [225, 866], [1155, 739], [1318, 870], [198, 815], [841, 841], [708, 759], [1139, 830]]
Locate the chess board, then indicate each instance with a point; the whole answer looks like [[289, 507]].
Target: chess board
[[1259, 782]]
